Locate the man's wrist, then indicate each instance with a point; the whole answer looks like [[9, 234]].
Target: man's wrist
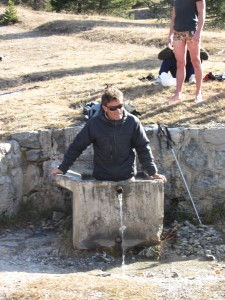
[[151, 174]]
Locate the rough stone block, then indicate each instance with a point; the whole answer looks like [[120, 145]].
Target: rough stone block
[[97, 211]]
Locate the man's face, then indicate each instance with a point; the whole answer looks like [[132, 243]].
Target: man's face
[[114, 110]]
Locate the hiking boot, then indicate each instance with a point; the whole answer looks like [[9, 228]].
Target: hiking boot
[[192, 79]]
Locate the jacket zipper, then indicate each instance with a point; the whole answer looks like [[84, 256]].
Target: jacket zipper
[[114, 149]]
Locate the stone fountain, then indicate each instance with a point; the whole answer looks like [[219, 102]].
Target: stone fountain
[[96, 211]]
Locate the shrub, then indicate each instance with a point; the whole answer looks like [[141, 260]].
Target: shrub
[[10, 15]]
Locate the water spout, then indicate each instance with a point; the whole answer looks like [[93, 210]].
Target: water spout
[[119, 190]]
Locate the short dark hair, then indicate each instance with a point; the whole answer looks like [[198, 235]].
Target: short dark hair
[[111, 94]]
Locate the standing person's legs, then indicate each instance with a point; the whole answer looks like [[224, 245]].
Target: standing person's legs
[[189, 70], [180, 54], [194, 49]]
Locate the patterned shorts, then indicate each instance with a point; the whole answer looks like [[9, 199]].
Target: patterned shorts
[[183, 36]]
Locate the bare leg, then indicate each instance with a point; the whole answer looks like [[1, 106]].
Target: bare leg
[[194, 49], [180, 54]]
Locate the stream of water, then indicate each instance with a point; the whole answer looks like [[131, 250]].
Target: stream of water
[[122, 227]]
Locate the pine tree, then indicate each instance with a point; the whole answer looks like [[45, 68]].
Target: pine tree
[[10, 15]]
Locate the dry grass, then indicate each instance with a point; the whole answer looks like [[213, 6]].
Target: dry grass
[[83, 286], [53, 62]]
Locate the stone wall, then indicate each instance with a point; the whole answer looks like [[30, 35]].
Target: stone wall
[[201, 157], [26, 160]]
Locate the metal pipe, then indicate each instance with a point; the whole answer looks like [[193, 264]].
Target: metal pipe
[[119, 189]]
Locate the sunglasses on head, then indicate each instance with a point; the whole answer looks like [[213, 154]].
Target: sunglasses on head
[[114, 108]]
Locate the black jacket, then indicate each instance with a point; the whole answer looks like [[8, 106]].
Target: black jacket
[[114, 143]]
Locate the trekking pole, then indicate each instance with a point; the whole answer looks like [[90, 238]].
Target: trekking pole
[[169, 146]]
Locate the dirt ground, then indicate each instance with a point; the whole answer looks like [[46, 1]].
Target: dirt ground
[[32, 266]]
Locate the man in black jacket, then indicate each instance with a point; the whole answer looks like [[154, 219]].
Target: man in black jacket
[[115, 135]]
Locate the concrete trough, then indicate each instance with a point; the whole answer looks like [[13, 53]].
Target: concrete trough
[[97, 211]]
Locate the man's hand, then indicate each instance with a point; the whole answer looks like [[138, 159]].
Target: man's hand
[[158, 176], [56, 172]]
